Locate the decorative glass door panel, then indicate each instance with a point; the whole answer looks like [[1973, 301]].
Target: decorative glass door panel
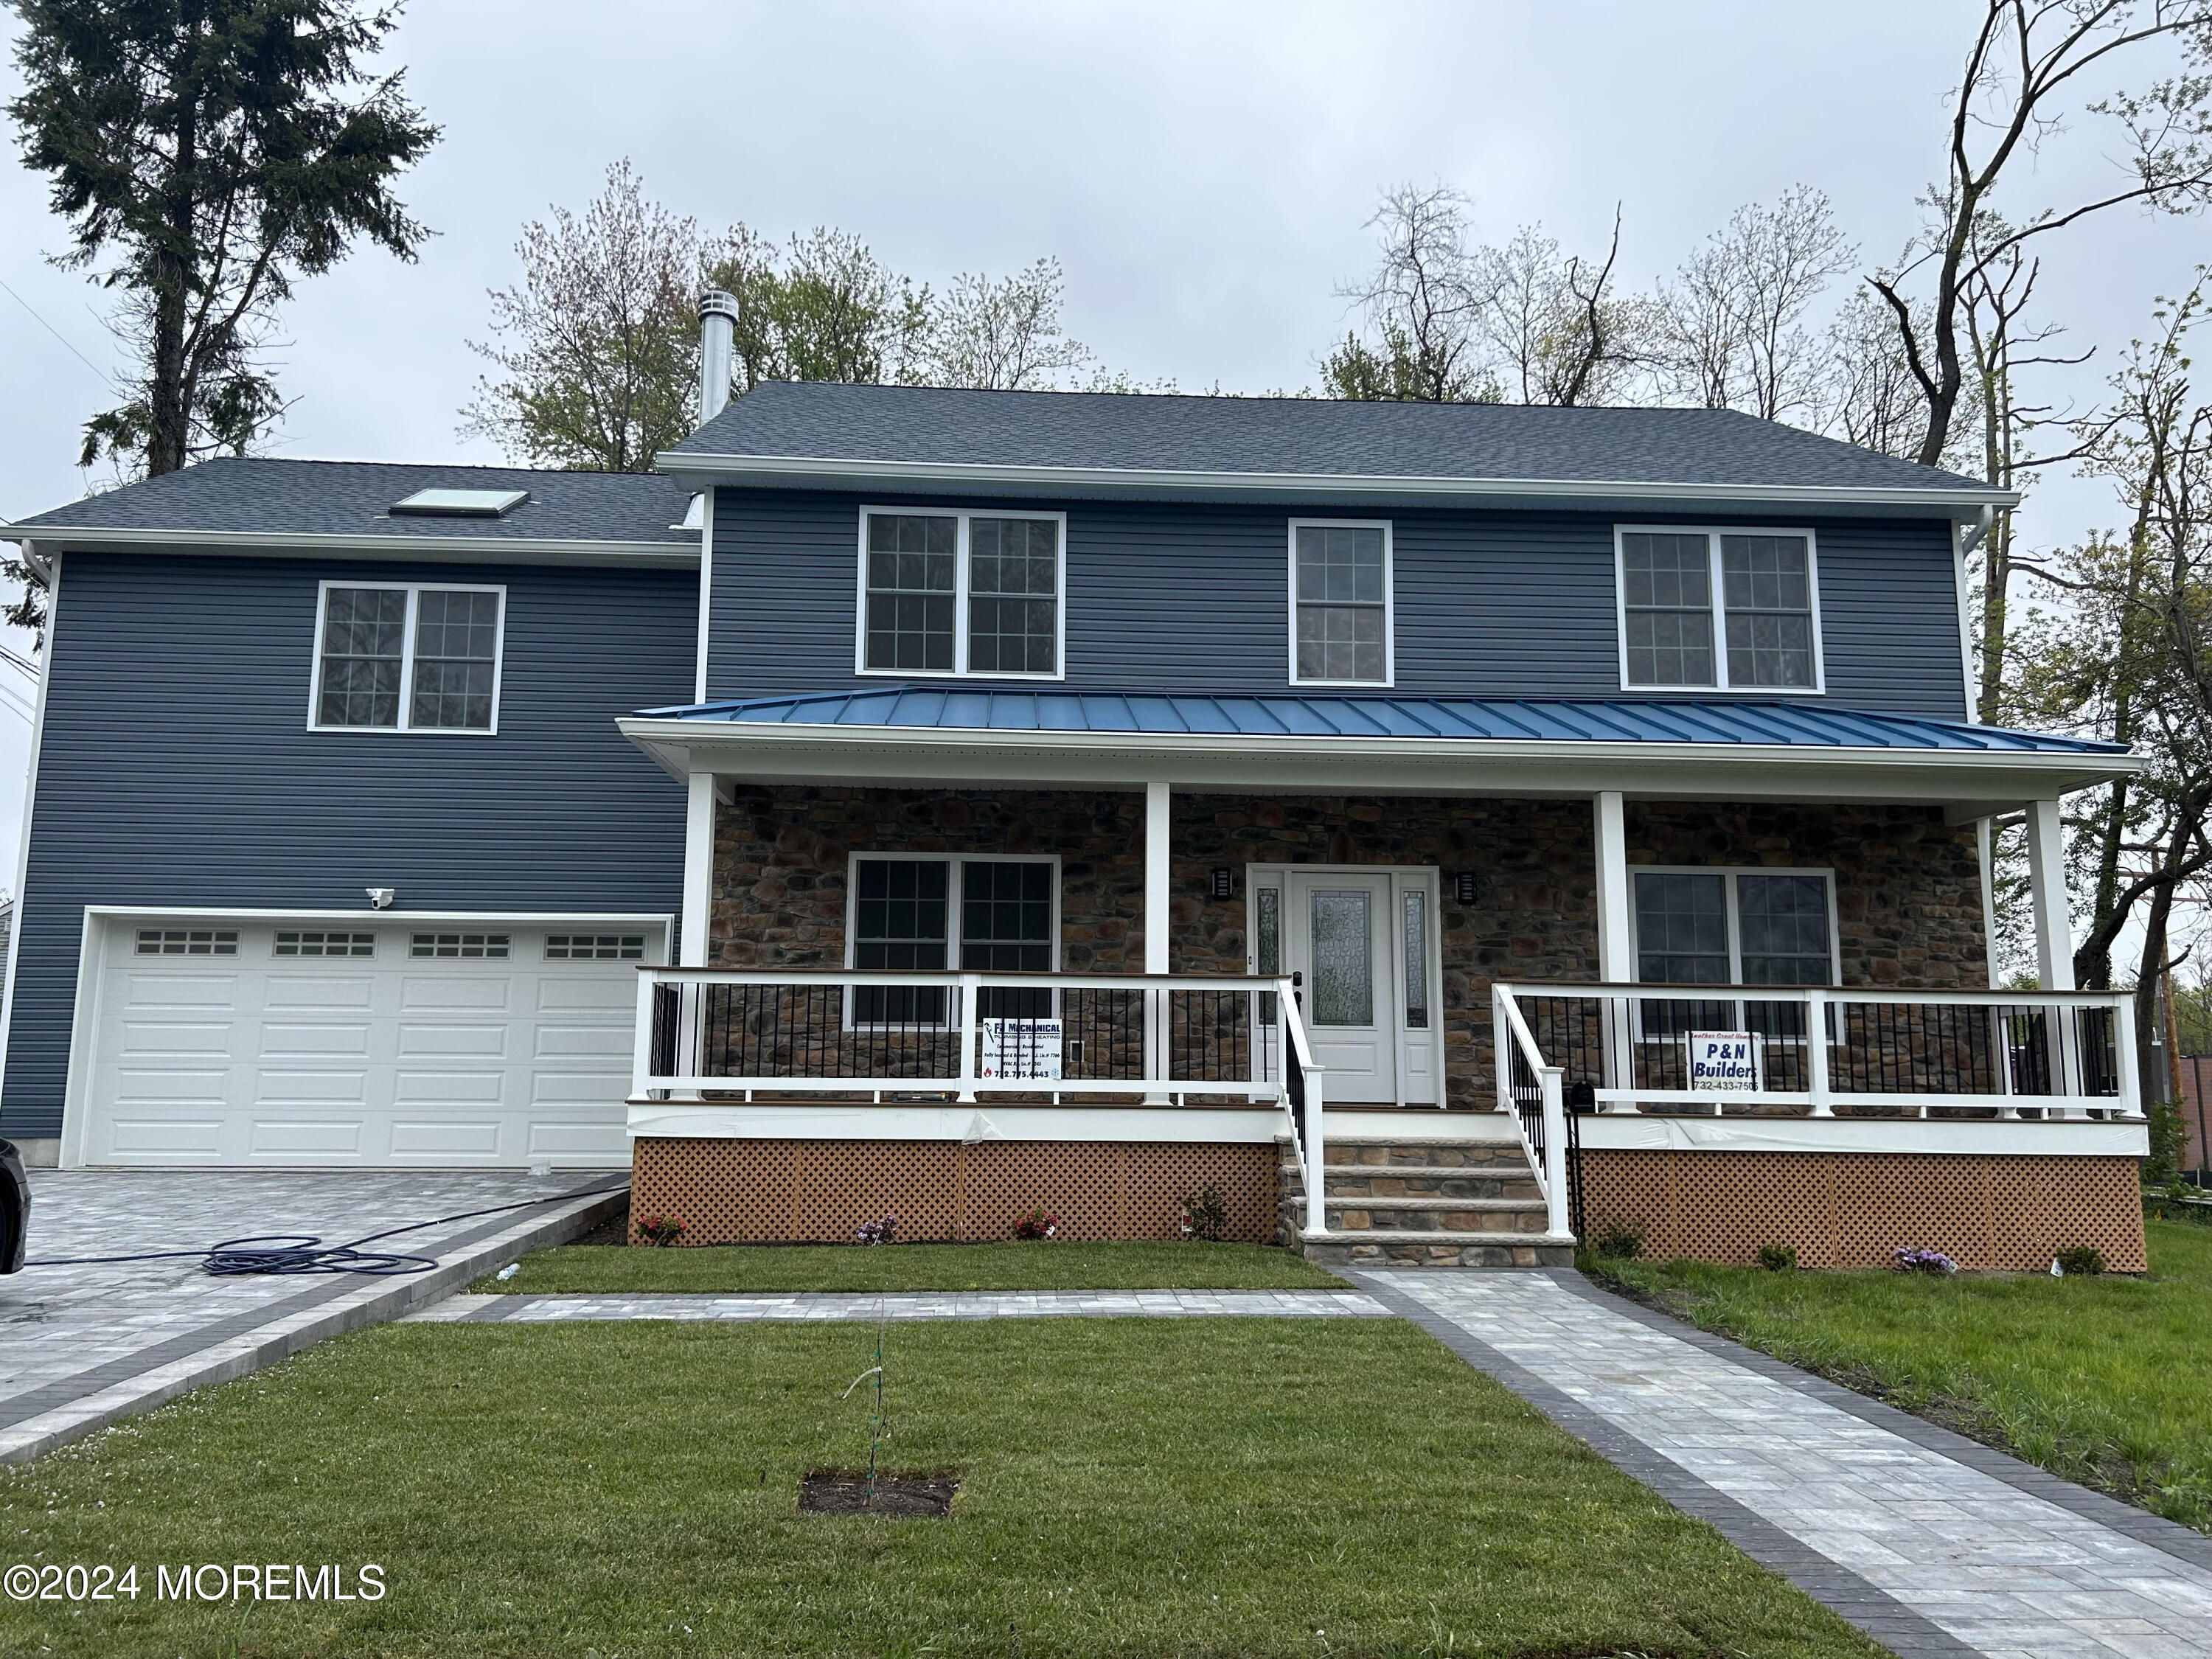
[[1340, 936]]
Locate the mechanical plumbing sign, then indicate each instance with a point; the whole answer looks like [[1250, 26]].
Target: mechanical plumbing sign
[[1726, 1063]]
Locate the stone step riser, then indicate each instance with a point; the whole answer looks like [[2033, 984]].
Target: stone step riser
[[1385, 1252], [1438, 1185], [1482, 1156], [1350, 1220]]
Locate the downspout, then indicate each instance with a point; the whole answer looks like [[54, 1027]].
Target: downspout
[[1973, 538], [717, 325]]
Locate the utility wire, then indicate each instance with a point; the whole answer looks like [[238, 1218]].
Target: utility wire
[[106, 379]]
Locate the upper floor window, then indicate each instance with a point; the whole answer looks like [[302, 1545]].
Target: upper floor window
[[1719, 610], [1341, 604], [961, 593], [408, 657]]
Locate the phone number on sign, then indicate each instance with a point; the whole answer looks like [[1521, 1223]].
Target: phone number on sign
[[248, 1581]]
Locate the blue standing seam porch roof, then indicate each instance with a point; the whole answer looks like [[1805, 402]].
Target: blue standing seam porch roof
[[1473, 720]]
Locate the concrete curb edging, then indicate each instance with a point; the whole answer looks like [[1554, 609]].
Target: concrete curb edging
[[75, 1406]]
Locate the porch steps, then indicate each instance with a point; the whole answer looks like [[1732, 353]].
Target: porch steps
[[1422, 1203]]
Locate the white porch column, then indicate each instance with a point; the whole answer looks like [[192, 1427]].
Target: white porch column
[[698, 871], [1616, 946], [1984, 843], [1615, 950], [1156, 877], [2054, 941], [2046, 874], [1156, 932]]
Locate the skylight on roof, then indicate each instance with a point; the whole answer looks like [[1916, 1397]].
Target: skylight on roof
[[462, 503]]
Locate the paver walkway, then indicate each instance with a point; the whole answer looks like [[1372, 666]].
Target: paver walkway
[[81, 1346], [818, 1306], [1931, 1543]]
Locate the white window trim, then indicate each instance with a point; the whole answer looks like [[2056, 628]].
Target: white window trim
[[960, 670], [953, 897], [1732, 872], [1389, 598], [414, 591], [1712, 535]]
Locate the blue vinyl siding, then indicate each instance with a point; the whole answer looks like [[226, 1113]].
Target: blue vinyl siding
[[176, 768], [1176, 597]]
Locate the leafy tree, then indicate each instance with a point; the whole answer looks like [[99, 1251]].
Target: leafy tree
[[1002, 335], [1425, 300], [1453, 322], [821, 308], [208, 154], [598, 345], [1731, 327], [2129, 659]]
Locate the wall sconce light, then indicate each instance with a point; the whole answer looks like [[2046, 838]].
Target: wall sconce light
[[382, 899], [1225, 882], [1465, 884]]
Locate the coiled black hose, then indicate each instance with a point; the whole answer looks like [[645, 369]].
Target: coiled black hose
[[281, 1253]]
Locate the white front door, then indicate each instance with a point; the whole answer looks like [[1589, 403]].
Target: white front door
[[1339, 937]]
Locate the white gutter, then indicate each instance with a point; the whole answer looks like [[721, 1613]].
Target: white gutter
[[489, 549], [800, 470]]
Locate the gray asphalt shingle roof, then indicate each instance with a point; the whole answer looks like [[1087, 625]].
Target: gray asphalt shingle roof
[[257, 495], [1293, 436]]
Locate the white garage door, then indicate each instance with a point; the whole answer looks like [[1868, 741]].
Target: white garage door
[[362, 1043]]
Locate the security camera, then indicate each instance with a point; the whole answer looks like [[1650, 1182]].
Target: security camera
[[381, 898]]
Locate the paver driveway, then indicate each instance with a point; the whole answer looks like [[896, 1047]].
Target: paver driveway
[[80, 1346]]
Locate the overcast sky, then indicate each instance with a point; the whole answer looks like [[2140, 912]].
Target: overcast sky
[[1202, 170]]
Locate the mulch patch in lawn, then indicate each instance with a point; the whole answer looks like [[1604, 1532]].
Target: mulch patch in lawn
[[901, 1496]]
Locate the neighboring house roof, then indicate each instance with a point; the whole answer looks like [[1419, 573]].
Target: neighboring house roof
[[257, 504], [1472, 719], [850, 436]]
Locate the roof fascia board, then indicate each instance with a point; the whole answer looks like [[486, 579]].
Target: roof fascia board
[[434, 550], [804, 472], [1492, 767]]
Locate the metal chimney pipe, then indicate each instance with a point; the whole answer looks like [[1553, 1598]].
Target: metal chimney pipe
[[718, 323]]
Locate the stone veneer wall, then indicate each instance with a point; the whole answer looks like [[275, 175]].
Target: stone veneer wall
[[1908, 888]]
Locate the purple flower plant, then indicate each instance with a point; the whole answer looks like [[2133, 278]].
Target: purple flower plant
[[877, 1232], [1922, 1261]]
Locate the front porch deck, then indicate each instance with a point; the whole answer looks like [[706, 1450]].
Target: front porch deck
[[1138, 1088]]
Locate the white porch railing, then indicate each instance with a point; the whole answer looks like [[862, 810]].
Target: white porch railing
[[1155, 1039], [1921, 1053], [1808, 1052]]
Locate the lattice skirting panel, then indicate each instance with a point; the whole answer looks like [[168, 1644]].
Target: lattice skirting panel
[[730, 1192], [1853, 1209]]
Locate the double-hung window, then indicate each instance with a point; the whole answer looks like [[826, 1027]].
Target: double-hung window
[[1732, 927], [961, 593], [1717, 610], [987, 915], [1340, 603], [394, 656]]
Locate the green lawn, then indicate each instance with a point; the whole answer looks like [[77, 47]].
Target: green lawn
[[604, 1269], [2100, 1380], [1230, 1487]]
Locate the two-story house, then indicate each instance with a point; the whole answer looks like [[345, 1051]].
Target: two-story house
[[951, 803]]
